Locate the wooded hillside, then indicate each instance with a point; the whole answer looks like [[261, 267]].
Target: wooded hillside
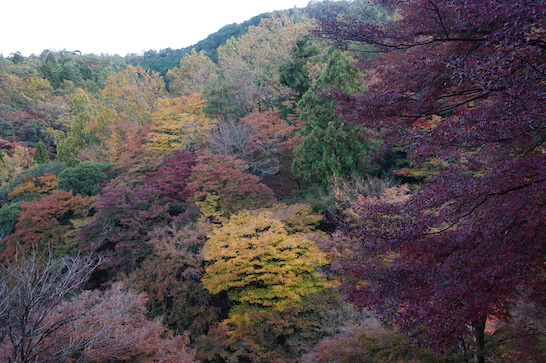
[[354, 181]]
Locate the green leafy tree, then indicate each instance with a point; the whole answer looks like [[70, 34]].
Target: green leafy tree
[[84, 179], [330, 147], [52, 70], [41, 156], [9, 213], [79, 142], [296, 73]]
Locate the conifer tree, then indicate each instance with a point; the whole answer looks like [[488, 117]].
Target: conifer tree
[[330, 147], [41, 156]]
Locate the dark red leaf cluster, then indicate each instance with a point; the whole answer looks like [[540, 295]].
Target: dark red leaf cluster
[[172, 177], [463, 82]]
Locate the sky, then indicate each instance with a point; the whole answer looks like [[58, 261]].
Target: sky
[[120, 26]]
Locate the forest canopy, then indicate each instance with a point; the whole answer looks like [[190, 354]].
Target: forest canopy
[[353, 181]]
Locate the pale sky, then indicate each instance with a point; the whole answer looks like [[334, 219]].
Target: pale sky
[[120, 26]]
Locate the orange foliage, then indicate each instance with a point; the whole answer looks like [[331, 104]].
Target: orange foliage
[[39, 185]]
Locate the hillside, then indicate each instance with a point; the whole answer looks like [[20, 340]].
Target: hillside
[[354, 181]]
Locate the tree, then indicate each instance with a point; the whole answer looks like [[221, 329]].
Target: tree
[[45, 318], [179, 123], [84, 179], [250, 65], [330, 147], [461, 81], [270, 269], [132, 94], [128, 101], [34, 185], [79, 142], [11, 166], [171, 278], [9, 213], [263, 139], [32, 288], [297, 72], [125, 216], [51, 70], [261, 261], [41, 156], [194, 75], [220, 186], [45, 225], [172, 178]]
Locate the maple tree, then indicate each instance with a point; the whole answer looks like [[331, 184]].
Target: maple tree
[[463, 247], [45, 224], [179, 123], [124, 216], [173, 176], [261, 261], [219, 186], [37, 185]]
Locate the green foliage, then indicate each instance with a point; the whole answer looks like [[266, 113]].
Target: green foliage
[[331, 148], [84, 179], [9, 213], [52, 70], [78, 137], [41, 156], [295, 73], [6, 129]]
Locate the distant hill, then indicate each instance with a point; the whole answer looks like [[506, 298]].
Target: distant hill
[[163, 60]]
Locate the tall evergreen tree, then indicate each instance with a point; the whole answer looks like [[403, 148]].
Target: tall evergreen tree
[[330, 147], [41, 156]]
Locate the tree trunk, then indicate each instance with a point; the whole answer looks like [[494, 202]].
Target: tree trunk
[[479, 327]]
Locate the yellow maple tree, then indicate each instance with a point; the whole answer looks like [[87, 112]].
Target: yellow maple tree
[[261, 258], [179, 123]]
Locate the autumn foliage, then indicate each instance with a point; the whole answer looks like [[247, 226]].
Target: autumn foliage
[[219, 186], [48, 224], [469, 241], [367, 185]]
